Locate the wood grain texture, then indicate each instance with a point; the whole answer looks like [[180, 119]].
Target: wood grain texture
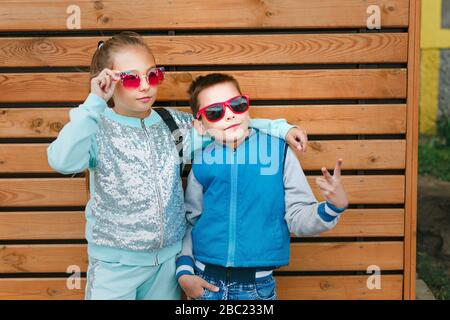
[[283, 84], [44, 192], [54, 225], [335, 256], [365, 154], [216, 49], [288, 288], [178, 14], [316, 120]]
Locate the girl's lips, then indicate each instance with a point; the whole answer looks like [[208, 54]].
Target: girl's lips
[[145, 99]]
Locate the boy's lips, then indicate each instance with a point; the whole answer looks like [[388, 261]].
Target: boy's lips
[[233, 126]]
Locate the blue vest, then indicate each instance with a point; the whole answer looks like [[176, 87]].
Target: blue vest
[[242, 223]]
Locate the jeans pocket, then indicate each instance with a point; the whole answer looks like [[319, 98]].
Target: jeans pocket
[[265, 290], [207, 294]]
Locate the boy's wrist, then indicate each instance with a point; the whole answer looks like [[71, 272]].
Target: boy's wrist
[[284, 130], [185, 266], [329, 212], [336, 208]]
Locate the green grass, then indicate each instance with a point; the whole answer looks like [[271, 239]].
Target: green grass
[[434, 159], [434, 275]]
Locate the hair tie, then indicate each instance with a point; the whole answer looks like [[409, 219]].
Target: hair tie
[[100, 44]]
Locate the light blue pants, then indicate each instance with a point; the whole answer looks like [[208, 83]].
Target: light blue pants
[[115, 281]]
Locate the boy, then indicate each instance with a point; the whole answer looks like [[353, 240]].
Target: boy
[[246, 193]]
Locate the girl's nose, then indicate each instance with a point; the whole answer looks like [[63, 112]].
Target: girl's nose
[[144, 86]]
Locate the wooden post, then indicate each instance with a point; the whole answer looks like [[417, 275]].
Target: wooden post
[[412, 129]]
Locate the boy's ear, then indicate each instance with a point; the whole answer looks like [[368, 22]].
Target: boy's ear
[[198, 125]]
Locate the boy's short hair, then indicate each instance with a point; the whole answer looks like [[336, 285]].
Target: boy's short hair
[[203, 82]]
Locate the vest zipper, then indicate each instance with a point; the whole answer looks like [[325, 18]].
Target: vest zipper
[[158, 191], [232, 230]]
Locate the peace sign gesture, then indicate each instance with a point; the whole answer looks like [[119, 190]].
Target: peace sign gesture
[[331, 186]]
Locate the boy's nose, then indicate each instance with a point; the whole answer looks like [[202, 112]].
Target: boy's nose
[[229, 114]]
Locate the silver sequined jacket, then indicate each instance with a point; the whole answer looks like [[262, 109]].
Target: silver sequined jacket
[[137, 200]]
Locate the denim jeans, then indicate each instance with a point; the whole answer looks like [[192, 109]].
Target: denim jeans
[[260, 289]]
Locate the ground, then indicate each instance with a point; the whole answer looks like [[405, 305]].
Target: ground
[[433, 216]]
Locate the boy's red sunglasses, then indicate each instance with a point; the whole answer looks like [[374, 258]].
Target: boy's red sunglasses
[[130, 80], [216, 111]]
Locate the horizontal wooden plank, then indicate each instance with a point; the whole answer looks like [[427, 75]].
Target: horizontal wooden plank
[[369, 223], [216, 49], [29, 192], [71, 224], [40, 289], [42, 225], [360, 154], [198, 14], [269, 84], [316, 120], [369, 189], [32, 122], [39, 192], [24, 157], [365, 154], [340, 256], [338, 288], [340, 119], [42, 258], [288, 288]]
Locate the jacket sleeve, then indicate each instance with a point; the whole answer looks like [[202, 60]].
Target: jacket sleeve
[[304, 215], [277, 128], [74, 150], [194, 207]]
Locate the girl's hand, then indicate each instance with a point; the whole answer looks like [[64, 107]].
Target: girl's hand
[[297, 139], [104, 84], [194, 286], [332, 188]]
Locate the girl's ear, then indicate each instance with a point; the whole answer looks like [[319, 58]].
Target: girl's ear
[[198, 125]]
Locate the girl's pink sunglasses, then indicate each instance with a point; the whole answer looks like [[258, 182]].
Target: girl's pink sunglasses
[[132, 81]]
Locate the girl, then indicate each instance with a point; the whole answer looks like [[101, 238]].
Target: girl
[[135, 215]]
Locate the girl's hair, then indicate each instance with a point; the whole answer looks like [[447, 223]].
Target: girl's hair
[[104, 55]]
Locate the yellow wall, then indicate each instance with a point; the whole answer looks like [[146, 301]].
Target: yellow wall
[[433, 39]]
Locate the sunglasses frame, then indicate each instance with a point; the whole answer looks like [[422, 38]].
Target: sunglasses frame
[[224, 104], [123, 74]]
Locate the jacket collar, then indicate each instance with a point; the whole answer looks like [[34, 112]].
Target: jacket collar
[[151, 119]]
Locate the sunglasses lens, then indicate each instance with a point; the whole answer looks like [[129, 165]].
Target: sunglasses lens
[[130, 81], [156, 77], [214, 112], [239, 104]]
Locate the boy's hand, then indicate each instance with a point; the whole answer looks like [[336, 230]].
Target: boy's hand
[[297, 139], [194, 286], [332, 188], [104, 84]]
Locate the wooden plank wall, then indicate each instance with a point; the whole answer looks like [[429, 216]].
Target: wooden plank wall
[[314, 63]]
